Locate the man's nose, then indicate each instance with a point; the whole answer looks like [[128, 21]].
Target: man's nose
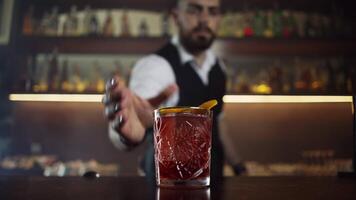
[[204, 16]]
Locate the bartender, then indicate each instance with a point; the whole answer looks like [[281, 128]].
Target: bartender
[[184, 72]]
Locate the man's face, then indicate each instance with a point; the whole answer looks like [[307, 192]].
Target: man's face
[[197, 21]]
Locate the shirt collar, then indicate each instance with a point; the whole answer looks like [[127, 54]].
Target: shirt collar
[[186, 57]]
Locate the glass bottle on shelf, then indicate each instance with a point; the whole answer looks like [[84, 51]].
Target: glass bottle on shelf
[[337, 20], [77, 80], [326, 26], [42, 75], [108, 28], [239, 24], [86, 20], [248, 22], [275, 77], [53, 22], [258, 23], [125, 24], [269, 29], [262, 86], [94, 28], [120, 71], [43, 26], [53, 72], [340, 75], [66, 85], [29, 78], [28, 22], [277, 21], [288, 24], [226, 28], [287, 80], [310, 30], [165, 24], [300, 19], [71, 24], [222, 27], [242, 82], [303, 77], [316, 85], [143, 28], [97, 84]]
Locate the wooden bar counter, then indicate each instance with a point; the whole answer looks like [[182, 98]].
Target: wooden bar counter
[[139, 188]]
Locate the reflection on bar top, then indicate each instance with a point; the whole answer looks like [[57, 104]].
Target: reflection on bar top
[[227, 98]]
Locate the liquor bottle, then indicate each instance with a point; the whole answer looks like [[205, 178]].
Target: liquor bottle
[[300, 19], [78, 83], [42, 75], [119, 70], [125, 24], [93, 24], [108, 29], [28, 22], [29, 77], [288, 24], [143, 28], [53, 22], [222, 28], [53, 72], [275, 78], [66, 85], [316, 22], [277, 22], [310, 30], [97, 84], [303, 80], [239, 24], [228, 24], [43, 26], [287, 80], [248, 22], [71, 24], [66, 26], [316, 83], [337, 20], [326, 26], [165, 24], [86, 20], [258, 23], [242, 83], [269, 28]]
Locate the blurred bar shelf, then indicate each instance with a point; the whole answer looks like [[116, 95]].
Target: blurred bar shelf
[[93, 45], [164, 4], [224, 46], [96, 98]]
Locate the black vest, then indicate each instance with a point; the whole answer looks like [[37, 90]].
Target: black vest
[[193, 92]]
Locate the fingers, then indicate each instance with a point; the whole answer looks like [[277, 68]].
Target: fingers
[[117, 122], [115, 88], [111, 110], [163, 96]]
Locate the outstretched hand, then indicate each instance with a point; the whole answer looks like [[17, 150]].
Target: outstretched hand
[[129, 114]]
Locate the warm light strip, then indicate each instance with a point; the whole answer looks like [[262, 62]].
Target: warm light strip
[[285, 99], [227, 98], [56, 97]]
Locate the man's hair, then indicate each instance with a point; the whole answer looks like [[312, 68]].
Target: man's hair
[[175, 3]]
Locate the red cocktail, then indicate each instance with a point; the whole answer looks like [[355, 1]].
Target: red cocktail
[[182, 139]]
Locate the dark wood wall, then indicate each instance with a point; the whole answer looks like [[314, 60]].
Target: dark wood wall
[[260, 132]]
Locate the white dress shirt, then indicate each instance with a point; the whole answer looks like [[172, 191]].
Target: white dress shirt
[[152, 74]]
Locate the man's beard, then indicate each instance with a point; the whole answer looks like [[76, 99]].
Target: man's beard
[[197, 44]]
